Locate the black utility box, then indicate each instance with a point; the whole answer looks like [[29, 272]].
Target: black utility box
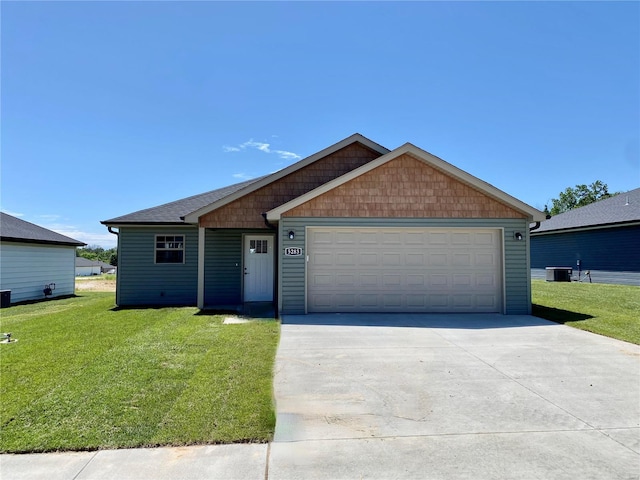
[[559, 274], [5, 298]]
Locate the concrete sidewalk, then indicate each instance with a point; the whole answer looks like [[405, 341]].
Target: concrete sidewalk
[[415, 396], [208, 462]]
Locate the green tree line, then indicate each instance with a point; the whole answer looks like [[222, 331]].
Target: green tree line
[[94, 252]]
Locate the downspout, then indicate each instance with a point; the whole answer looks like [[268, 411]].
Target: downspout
[[117, 234], [537, 225]]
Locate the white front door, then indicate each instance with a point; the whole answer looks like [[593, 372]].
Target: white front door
[[258, 268]]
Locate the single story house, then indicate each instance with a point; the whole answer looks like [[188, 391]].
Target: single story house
[[603, 236], [108, 268], [353, 228], [86, 267], [32, 257]]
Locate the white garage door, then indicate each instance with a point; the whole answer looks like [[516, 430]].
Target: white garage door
[[404, 270]]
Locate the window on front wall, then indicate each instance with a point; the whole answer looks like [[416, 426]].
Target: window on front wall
[[169, 248], [258, 246]]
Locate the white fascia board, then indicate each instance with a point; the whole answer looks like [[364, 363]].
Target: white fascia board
[[151, 225], [586, 228], [356, 137], [439, 164]]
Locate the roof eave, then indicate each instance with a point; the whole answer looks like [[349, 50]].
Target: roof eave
[[116, 224], [42, 242], [600, 226]]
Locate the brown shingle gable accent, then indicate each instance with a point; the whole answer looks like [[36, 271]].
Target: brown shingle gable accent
[[404, 187], [246, 212]]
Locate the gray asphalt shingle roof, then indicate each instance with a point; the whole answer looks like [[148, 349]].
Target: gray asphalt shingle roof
[[173, 212], [622, 208], [12, 228]]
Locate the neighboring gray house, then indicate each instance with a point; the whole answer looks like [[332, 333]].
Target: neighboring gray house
[[352, 228], [604, 236], [86, 267], [108, 268], [32, 257]]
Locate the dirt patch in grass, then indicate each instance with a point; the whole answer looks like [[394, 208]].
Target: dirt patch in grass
[[95, 284]]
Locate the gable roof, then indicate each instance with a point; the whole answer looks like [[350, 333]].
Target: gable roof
[[432, 160], [85, 262], [16, 230], [356, 137], [174, 212], [188, 210], [621, 209]]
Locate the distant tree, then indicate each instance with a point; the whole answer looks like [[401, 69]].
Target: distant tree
[[95, 252], [579, 196]]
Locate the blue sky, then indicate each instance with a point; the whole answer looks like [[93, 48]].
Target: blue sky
[[112, 107]]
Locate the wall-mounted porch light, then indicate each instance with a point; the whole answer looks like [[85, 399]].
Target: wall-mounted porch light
[[292, 234], [517, 236]]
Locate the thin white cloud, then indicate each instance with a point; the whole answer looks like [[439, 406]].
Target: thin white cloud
[[104, 240], [13, 214], [287, 155], [263, 147], [49, 218], [243, 176]]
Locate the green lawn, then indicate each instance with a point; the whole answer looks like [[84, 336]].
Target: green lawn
[[611, 310], [83, 375]]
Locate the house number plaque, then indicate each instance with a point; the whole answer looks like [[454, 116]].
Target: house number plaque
[[293, 251]]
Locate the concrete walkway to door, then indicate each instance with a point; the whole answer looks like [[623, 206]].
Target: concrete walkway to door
[[453, 396]]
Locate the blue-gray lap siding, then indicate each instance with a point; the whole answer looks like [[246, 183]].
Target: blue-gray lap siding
[[517, 281], [223, 266], [143, 282], [613, 249]]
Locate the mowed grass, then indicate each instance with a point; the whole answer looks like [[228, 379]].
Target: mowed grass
[[611, 310], [84, 376]]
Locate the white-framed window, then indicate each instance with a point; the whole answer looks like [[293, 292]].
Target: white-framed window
[[259, 246], [169, 248]]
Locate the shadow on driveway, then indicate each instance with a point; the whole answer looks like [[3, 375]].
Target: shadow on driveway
[[417, 320]]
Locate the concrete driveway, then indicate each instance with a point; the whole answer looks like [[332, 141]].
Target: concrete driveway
[[453, 396]]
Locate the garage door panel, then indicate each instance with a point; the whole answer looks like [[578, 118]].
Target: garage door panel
[[368, 258], [322, 280], [345, 238], [461, 260], [462, 280], [392, 259], [414, 259], [404, 269], [458, 239], [438, 238], [345, 280], [487, 259], [439, 280], [392, 300], [343, 259], [323, 259], [438, 259]]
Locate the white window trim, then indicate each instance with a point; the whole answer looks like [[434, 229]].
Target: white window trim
[[183, 249]]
